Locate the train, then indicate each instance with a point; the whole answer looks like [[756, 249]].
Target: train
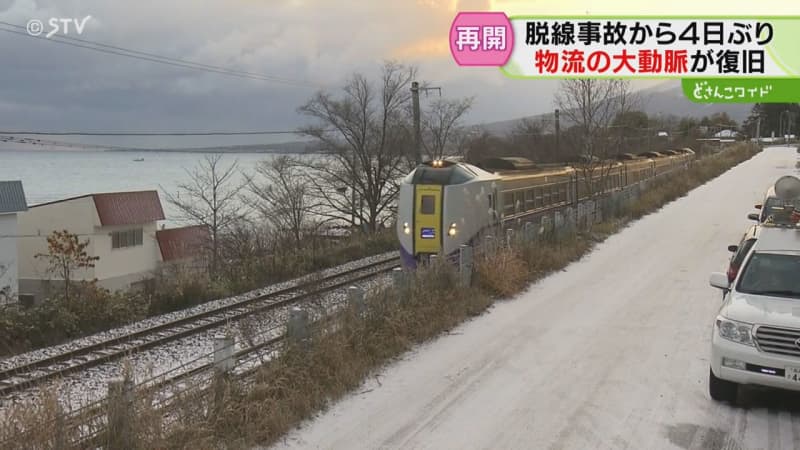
[[446, 203]]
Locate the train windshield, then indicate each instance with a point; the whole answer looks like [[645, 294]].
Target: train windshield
[[454, 174]]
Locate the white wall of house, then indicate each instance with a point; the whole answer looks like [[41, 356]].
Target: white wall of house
[[77, 216], [116, 269], [125, 265], [8, 252]]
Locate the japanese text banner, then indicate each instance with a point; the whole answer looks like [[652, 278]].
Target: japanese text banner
[[654, 47], [719, 59]]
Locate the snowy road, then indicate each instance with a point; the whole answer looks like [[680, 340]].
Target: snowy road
[[612, 353]]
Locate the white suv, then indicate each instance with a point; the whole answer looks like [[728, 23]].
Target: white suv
[[756, 335]]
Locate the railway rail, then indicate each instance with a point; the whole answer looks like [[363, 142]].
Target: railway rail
[[34, 373], [86, 427]]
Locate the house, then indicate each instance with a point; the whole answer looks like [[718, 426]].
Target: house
[[726, 134], [12, 202], [182, 247], [121, 230]]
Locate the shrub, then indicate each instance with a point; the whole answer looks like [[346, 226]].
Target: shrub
[[503, 273]]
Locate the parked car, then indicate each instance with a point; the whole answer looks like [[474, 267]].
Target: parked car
[[756, 335], [740, 251], [772, 202]]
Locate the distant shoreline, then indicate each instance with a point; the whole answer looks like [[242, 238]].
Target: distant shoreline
[[89, 150], [290, 147], [204, 150]]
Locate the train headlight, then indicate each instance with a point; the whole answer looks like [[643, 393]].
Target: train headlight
[[406, 228], [452, 231]]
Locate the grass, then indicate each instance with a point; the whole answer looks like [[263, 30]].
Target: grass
[[341, 354], [301, 383]]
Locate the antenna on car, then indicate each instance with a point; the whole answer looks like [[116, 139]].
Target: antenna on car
[[787, 188]]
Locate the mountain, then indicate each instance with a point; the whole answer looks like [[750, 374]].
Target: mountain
[[669, 99], [664, 99]]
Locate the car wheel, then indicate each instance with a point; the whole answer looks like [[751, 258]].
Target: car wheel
[[721, 390]]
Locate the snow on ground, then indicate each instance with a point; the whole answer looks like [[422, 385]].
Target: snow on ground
[[85, 387], [35, 355], [611, 353]]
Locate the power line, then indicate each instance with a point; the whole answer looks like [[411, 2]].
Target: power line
[[152, 57]]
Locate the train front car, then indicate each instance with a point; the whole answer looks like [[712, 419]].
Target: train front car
[[442, 205]]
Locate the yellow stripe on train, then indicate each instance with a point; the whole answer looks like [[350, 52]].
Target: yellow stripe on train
[[427, 218]]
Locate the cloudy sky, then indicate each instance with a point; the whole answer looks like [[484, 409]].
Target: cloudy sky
[[315, 43]]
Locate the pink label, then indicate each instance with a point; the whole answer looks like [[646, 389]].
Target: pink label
[[481, 39]]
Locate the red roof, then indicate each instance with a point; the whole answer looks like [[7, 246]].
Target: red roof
[[123, 208], [128, 208], [180, 243]]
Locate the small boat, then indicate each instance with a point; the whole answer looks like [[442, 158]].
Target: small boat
[[139, 159]]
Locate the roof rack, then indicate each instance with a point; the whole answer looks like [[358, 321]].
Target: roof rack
[[783, 217], [507, 163], [781, 225]]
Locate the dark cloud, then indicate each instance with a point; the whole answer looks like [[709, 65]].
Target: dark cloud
[[44, 85]]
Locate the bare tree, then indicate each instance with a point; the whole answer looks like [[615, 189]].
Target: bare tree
[[592, 105], [246, 243], [481, 144], [66, 255], [279, 191], [528, 139], [365, 137], [210, 198], [441, 127]]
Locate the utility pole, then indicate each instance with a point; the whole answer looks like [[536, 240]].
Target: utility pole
[[417, 132], [558, 132], [415, 104], [353, 202], [758, 129], [786, 127]]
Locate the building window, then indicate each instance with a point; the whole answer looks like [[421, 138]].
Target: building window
[[127, 238]]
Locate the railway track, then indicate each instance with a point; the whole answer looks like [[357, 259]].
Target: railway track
[[87, 425], [37, 372]]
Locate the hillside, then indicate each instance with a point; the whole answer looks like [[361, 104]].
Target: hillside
[[666, 99]]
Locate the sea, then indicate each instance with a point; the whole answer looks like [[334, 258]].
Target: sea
[[55, 175]]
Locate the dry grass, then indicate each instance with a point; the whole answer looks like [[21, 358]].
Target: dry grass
[[303, 381], [546, 257], [665, 190], [34, 425], [503, 273]]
